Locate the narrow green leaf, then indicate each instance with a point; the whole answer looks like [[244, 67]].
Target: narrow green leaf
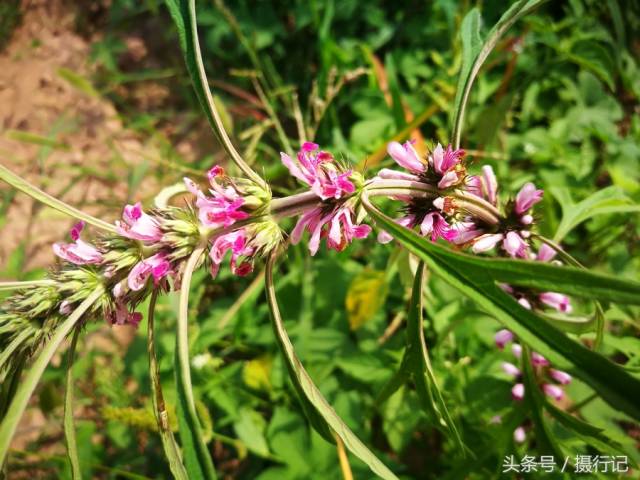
[[34, 192], [29, 383], [321, 415], [474, 54], [69, 427], [196, 455], [28, 137], [183, 13], [478, 282], [15, 343], [171, 449], [538, 275], [419, 363], [590, 434]]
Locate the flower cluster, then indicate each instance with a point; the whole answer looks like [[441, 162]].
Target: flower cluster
[[443, 170], [149, 250], [544, 373], [334, 218]]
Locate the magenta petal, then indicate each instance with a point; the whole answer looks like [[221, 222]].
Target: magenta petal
[[559, 376], [502, 337], [517, 392]]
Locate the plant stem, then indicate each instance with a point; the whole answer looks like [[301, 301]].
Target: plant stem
[[344, 460], [28, 385], [183, 372], [171, 449], [69, 427]]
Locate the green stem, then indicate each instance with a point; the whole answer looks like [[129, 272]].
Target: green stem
[[34, 192], [69, 428], [169, 444], [183, 370], [28, 385]]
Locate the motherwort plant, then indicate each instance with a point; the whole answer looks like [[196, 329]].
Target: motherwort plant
[[460, 225]]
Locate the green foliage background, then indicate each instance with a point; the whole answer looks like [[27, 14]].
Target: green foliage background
[[556, 104]]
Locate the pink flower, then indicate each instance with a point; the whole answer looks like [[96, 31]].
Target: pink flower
[[120, 315], [474, 185], [545, 253], [434, 224], [317, 169], [444, 160], [238, 243], [76, 230], [559, 376], [222, 209], [553, 391], [465, 232], [337, 226], [556, 300], [503, 337], [517, 392], [486, 242], [137, 225], [514, 245], [448, 179], [510, 369], [407, 221], [489, 184], [79, 252], [65, 308], [516, 349], [519, 435], [156, 266], [527, 197], [538, 360], [406, 156], [525, 303]]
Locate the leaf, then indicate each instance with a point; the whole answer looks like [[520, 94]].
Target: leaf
[[524, 273], [367, 293], [28, 137], [196, 455], [30, 381], [474, 54], [321, 415], [477, 279], [77, 81], [183, 13], [250, 430], [419, 363], [69, 428], [34, 192], [605, 201], [169, 445], [590, 434]]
